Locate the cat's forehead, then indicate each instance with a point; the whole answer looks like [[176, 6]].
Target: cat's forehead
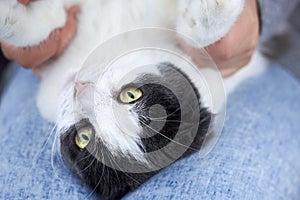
[[128, 68], [122, 70], [133, 66]]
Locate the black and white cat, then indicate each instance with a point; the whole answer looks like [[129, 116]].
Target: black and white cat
[[103, 117]]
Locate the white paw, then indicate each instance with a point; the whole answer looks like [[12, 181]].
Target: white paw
[[207, 21], [29, 25]]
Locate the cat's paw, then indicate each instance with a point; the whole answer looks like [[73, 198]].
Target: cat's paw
[[29, 25], [207, 21]]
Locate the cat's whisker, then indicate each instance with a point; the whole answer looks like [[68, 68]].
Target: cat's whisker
[[171, 140], [87, 157], [81, 84], [120, 169], [55, 152], [163, 120], [45, 142], [205, 118], [96, 186], [186, 123], [170, 114], [113, 167]]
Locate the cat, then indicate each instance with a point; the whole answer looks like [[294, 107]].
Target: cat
[[104, 116]]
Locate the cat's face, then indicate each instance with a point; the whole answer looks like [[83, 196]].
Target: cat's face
[[25, 23], [127, 128]]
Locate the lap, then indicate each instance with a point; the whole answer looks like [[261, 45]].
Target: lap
[[26, 148], [255, 157]]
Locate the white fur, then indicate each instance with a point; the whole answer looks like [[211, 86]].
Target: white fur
[[29, 25], [204, 21], [207, 21]]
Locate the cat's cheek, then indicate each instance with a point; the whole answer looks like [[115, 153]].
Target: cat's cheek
[[118, 127]]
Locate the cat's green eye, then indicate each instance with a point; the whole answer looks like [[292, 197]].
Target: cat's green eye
[[130, 94], [83, 137]]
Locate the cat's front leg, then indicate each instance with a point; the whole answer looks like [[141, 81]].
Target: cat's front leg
[[29, 25], [207, 21]]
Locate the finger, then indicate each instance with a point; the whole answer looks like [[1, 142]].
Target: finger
[[69, 30], [46, 50], [32, 57], [73, 10]]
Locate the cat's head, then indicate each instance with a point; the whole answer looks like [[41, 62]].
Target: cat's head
[[131, 122], [27, 25]]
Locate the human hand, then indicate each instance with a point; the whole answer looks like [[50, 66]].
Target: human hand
[[54, 45], [234, 50]]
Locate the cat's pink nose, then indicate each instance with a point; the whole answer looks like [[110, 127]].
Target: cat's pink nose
[[24, 2], [80, 87]]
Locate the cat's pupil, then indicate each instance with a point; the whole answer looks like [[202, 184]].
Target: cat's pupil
[[130, 95], [84, 137]]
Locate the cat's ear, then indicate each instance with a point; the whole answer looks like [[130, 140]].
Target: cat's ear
[[207, 21]]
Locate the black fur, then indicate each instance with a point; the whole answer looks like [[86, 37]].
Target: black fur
[[158, 94], [114, 183]]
